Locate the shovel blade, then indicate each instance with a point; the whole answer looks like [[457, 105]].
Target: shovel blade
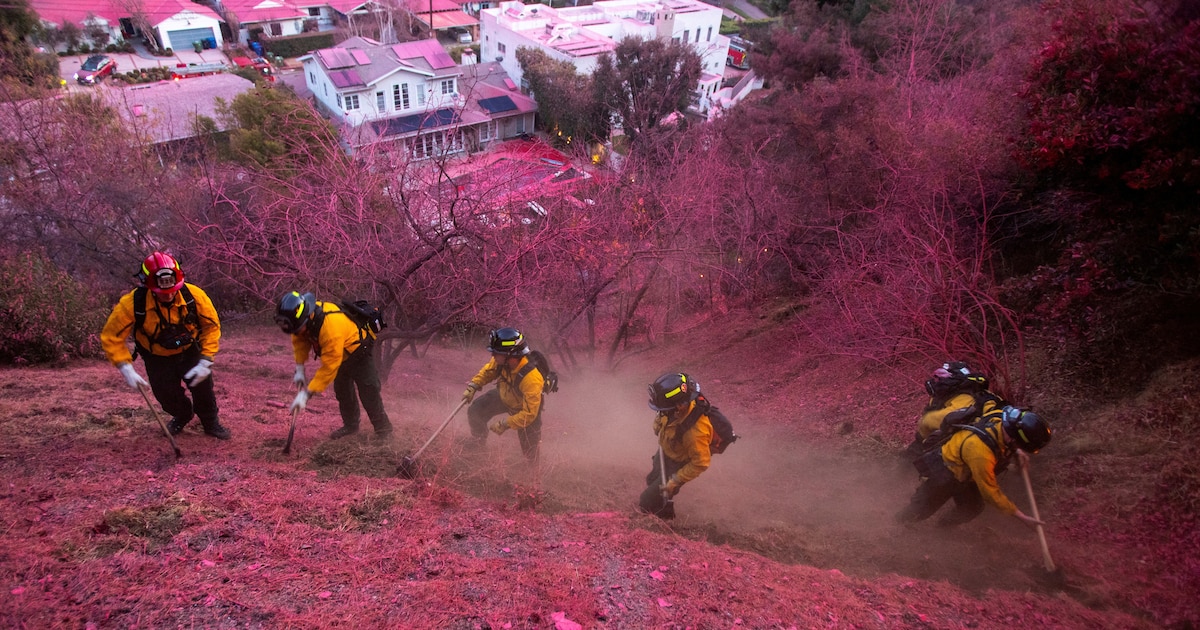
[[408, 468], [653, 502]]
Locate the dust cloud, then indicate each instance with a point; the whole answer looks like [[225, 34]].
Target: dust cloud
[[773, 492]]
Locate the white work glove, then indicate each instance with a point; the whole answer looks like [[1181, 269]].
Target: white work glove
[[671, 487], [500, 426], [132, 378], [300, 402], [298, 380], [196, 375], [469, 394]]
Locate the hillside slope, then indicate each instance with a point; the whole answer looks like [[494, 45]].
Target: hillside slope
[[791, 528]]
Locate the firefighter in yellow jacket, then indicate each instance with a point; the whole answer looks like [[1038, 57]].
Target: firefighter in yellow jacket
[[685, 437], [517, 397], [965, 467], [956, 396], [176, 331], [344, 350]]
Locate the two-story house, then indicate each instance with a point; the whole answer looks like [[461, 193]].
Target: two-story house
[[580, 35], [416, 94]]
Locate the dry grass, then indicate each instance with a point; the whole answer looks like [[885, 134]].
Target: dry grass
[[791, 527]]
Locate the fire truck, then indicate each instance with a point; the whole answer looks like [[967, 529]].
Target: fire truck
[[739, 53]]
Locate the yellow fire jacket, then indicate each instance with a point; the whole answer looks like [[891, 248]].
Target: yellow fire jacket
[[339, 338], [932, 420], [119, 327], [968, 457], [524, 399], [692, 447]]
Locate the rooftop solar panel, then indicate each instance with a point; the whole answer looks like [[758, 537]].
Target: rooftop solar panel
[[345, 78], [509, 82], [416, 122], [429, 49], [360, 57], [335, 58], [497, 104]]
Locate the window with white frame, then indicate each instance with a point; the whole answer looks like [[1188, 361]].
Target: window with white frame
[[685, 36], [489, 130], [448, 86], [435, 143], [339, 100], [400, 96], [380, 102], [420, 98], [709, 35], [351, 102]]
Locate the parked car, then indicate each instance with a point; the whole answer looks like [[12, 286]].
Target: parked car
[[95, 68], [463, 36]]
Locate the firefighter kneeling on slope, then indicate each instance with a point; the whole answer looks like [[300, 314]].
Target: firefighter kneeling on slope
[[964, 468], [518, 393], [686, 440]]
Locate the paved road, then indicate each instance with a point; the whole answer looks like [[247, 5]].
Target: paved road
[[745, 8]]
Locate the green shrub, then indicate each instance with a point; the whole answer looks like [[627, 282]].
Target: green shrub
[[297, 45], [45, 314]]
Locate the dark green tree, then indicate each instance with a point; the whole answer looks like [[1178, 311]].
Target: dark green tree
[[644, 81], [274, 129], [19, 64], [567, 108], [1114, 97]]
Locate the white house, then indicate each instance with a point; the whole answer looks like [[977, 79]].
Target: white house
[[276, 18], [99, 19], [173, 23], [579, 35], [177, 24], [415, 93]]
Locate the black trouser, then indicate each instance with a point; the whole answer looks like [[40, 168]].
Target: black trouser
[[488, 406], [651, 499], [165, 375], [939, 486], [358, 371]]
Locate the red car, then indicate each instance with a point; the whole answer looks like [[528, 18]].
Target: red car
[[95, 68]]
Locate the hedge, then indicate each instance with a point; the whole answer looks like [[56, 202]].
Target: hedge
[[297, 45]]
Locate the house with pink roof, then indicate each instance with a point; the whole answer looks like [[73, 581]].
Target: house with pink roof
[[98, 17], [416, 94], [275, 18], [170, 23]]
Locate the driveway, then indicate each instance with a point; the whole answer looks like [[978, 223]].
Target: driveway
[[69, 65]]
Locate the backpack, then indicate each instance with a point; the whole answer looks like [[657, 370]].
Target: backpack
[[364, 314], [723, 434], [539, 362], [139, 314]]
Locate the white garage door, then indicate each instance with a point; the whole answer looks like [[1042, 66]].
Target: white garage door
[[182, 40]]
